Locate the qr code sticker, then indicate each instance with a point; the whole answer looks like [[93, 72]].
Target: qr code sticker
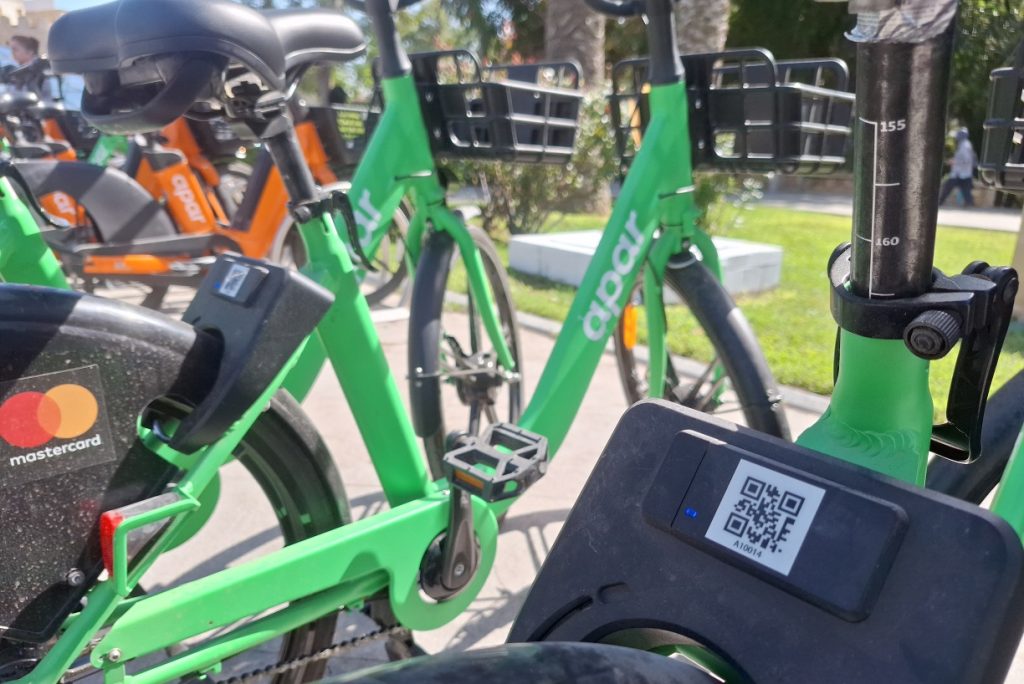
[[234, 280], [765, 516]]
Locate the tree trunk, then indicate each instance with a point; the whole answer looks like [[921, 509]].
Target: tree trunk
[[573, 31], [702, 25]]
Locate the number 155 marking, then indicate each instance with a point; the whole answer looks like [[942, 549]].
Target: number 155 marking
[[894, 125]]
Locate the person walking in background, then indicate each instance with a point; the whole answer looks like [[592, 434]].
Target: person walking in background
[[24, 49], [25, 53], [961, 172]]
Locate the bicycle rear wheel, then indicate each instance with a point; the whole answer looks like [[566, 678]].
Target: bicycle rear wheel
[[734, 381], [294, 473], [449, 348]]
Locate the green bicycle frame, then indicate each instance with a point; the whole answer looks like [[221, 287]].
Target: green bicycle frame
[[106, 148], [342, 567], [657, 193], [304, 581]]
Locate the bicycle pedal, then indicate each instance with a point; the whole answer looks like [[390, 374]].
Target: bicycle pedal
[[500, 464]]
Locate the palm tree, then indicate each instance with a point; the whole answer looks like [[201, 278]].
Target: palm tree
[[573, 31], [702, 25]]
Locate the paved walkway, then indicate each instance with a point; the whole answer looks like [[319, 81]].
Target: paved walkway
[[1004, 220]]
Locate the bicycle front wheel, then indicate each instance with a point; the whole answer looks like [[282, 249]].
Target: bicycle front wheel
[[733, 380], [451, 356]]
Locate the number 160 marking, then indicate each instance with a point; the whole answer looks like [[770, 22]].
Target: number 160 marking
[[887, 241]]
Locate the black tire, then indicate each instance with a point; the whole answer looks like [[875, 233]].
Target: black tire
[[736, 352], [432, 344], [536, 662], [234, 180], [287, 458], [973, 482]]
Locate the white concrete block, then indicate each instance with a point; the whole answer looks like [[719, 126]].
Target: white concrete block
[[563, 258]]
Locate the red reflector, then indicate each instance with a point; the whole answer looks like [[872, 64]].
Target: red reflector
[[108, 524]]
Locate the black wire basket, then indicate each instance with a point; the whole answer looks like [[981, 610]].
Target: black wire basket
[[216, 137], [345, 130], [1001, 162], [527, 113], [748, 112]]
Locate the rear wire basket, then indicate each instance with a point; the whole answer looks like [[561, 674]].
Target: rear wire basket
[[526, 113], [216, 137], [748, 112], [1002, 150], [344, 130]]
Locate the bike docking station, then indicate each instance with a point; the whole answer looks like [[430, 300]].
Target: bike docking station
[[790, 565]]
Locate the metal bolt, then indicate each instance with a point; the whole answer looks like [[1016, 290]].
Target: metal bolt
[[459, 569], [75, 577], [114, 655]]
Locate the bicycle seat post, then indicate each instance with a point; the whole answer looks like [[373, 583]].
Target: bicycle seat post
[[902, 85], [665, 65], [394, 61]]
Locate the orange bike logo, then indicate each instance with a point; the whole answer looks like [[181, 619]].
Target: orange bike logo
[[31, 419]]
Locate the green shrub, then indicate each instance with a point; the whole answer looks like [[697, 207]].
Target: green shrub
[[523, 197]]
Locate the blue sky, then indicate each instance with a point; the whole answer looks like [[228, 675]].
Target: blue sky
[[77, 4]]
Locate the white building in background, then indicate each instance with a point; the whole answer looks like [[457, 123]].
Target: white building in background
[[27, 18]]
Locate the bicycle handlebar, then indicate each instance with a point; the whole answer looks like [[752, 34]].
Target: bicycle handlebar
[[617, 8]]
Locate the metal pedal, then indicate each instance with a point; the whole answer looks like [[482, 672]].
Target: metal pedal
[[499, 464]]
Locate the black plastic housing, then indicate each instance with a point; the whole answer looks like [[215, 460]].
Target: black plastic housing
[[126, 357], [261, 313], [891, 583]]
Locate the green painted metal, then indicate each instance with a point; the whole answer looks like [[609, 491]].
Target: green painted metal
[[387, 546], [24, 255], [660, 171], [107, 147], [348, 335], [478, 283], [210, 654], [397, 160], [880, 415], [1008, 502], [654, 306]]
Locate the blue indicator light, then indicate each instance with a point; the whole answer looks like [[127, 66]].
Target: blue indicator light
[[690, 513]]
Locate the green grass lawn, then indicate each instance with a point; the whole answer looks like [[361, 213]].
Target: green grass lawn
[[792, 321]]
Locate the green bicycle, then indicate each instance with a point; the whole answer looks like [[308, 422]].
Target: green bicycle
[[207, 392]]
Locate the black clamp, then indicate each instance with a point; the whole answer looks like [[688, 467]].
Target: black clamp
[[973, 308], [335, 203]]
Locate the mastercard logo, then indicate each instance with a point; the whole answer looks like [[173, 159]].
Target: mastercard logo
[[31, 419]]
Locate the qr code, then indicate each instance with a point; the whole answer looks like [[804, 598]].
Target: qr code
[[765, 516]]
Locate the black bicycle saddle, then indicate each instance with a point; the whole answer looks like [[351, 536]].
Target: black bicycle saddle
[[146, 63]]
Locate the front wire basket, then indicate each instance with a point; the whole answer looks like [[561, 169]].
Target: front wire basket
[[747, 112], [1001, 162], [526, 113]]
